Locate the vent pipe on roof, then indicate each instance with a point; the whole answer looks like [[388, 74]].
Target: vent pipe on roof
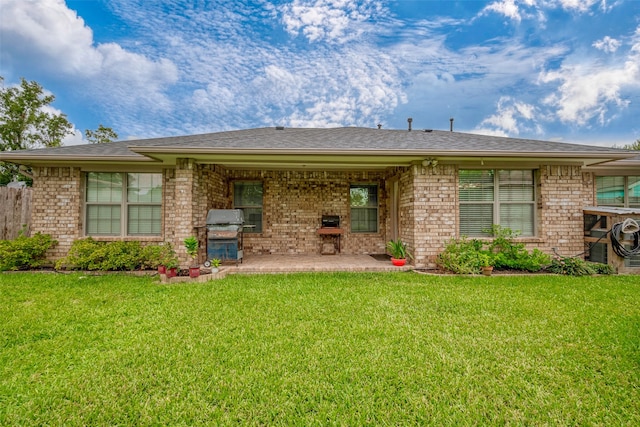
[[379, 126], [279, 127], [451, 125], [409, 120]]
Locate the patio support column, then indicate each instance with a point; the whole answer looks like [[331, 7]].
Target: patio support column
[[434, 211], [184, 202]]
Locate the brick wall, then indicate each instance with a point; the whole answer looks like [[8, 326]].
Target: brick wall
[[294, 202], [436, 190], [170, 212], [562, 197], [57, 206]]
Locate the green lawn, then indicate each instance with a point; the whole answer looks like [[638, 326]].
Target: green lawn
[[320, 349]]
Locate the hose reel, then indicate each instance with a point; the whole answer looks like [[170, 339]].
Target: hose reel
[[628, 226]]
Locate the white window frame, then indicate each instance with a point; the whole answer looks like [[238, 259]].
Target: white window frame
[[124, 205], [496, 203]]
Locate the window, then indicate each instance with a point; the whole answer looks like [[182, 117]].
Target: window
[[619, 191], [364, 208], [503, 197], [123, 204], [247, 195]]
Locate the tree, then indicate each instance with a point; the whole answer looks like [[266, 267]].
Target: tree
[[25, 123], [102, 135], [634, 146]]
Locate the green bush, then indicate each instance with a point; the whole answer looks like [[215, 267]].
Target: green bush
[[24, 252], [514, 256], [464, 256], [88, 254], [468, 256], [571, 266]]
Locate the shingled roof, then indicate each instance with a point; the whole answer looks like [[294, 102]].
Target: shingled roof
[[304, 144]]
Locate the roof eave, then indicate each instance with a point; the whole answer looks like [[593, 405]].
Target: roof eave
[[59, 159], [142, 150]]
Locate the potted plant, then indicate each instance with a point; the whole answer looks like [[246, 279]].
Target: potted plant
[[191, 244], [398, 251], [485, 264], [215, 265], [167, 259], [172, 267]]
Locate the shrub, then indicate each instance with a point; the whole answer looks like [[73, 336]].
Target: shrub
[[87, 254], [24, 252], [463, 256], [514, 256], [468, 256], [601, 268], [571, 266], [152, 256]]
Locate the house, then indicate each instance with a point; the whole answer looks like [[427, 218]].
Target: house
[[423, 186]]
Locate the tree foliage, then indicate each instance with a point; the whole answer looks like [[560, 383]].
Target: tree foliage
[[634, 146], [101, 135], [25, 123]]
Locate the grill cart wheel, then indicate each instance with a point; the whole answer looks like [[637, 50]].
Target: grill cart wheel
[[207, 263]]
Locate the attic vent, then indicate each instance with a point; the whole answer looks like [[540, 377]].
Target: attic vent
[[428, 130], [279, 127]]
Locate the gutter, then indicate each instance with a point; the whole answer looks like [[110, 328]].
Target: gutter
[[376, 153], [14, 157]]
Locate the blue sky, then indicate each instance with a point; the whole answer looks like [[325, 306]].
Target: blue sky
[[562, 70]]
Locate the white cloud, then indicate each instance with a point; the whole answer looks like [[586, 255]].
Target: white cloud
[[511, 118], [582, 6], [517, 10], [46, 35], [76, 138], [508, 8], [329, 20], [587, 91], [607, 44]]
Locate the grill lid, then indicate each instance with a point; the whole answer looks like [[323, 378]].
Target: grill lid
[[330, 221], [225, 216]]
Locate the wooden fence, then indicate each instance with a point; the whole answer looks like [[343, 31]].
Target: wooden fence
[[15, 211]]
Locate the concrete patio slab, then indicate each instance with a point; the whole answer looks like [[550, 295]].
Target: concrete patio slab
[[306, 263]]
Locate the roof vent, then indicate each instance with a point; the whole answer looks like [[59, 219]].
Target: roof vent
[[409, 120], [451, 126], [428, 130], [279, 127]]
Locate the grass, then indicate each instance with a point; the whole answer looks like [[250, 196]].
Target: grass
[[320, 349]]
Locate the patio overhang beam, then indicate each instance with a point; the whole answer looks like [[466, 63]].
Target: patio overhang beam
[[363, 159]]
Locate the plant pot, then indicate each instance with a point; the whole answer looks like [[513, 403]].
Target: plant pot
[[162, 269], [399, 262], [487, 271], [172, 272], [194, 272]]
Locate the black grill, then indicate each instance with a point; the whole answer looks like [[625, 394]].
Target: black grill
[[331, 221], [224, 235]]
